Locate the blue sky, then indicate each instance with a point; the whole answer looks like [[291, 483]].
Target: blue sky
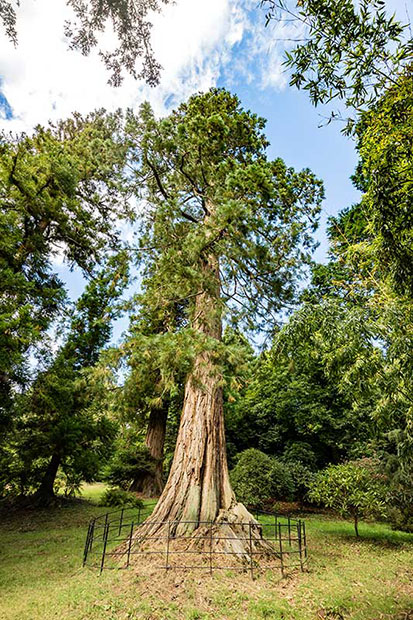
[[200, 43]]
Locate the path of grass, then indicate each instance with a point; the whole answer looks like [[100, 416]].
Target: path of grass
[[41, 577]]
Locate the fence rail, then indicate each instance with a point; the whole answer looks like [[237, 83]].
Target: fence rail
[[112, 541]]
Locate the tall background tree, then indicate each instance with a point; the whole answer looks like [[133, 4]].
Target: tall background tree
[[60, 191], [58, 421]]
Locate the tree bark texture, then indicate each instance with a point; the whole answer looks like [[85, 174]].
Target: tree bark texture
[[198, 486], [150, 484], [198, 500]]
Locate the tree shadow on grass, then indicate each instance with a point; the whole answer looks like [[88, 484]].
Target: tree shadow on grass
[[374, 534]]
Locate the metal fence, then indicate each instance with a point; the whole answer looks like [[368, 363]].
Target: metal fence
[[113, 541]]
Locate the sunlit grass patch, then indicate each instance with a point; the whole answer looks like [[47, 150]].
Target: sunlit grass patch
[[365, 578]]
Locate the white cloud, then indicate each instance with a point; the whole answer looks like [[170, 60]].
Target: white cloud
[[196, 41]]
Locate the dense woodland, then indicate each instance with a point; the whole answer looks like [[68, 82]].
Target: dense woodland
[[248, 373]]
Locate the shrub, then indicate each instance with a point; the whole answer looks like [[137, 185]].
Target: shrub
[[400, 499], [281, 481], [300, 452], [257, 478], [120, 497], [251, 478], [353, 489], [68, 484], [302, 478]]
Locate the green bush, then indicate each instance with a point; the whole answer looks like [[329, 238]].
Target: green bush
[[251, 478], [300, 452], [281, 481], [302, 479], [258, 478], [120, 497], [353, 489], [400, 498]]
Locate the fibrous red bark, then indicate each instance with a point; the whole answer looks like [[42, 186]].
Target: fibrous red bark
[[198, 496]]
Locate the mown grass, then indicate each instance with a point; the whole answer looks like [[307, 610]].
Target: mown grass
[[370, 578]]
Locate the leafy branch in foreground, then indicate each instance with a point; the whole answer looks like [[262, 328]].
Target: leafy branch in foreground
[[353, 52]]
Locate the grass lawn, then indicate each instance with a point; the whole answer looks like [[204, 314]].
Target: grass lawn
[[41, 576]]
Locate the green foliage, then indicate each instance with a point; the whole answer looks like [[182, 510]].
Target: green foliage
[[365, 349], [69, 484], [350, 51], [251, 477], [258, 478], [119, 497], [211, 191], [282, 482], [60, 416], [353, 489], [400, 499], [60, 190], [293, 407], [301, 453], [301, 479], [130, 460], [385, 145]]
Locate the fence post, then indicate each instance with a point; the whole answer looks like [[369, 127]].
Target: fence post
[[104, 525], [305, 541], [210, 548], [300, 551], [289, 531], [281, 549], [92, 535], [129, 544], [121, 522], [86, 549], [251, 564], [167, 546], [105, 542]]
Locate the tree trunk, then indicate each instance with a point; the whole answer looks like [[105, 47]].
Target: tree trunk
[[151, 484], [45, 492], [356, 524], [198, 488]]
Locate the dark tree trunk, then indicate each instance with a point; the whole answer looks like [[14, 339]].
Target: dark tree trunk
[[356, 524], [151, 484], [45, 491]]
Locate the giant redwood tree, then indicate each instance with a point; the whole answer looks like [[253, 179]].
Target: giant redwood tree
[[226, 230]]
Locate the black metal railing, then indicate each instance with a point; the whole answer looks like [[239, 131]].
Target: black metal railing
[[113, 540]]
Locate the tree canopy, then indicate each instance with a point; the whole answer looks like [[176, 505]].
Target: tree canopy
[[61, 192]]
